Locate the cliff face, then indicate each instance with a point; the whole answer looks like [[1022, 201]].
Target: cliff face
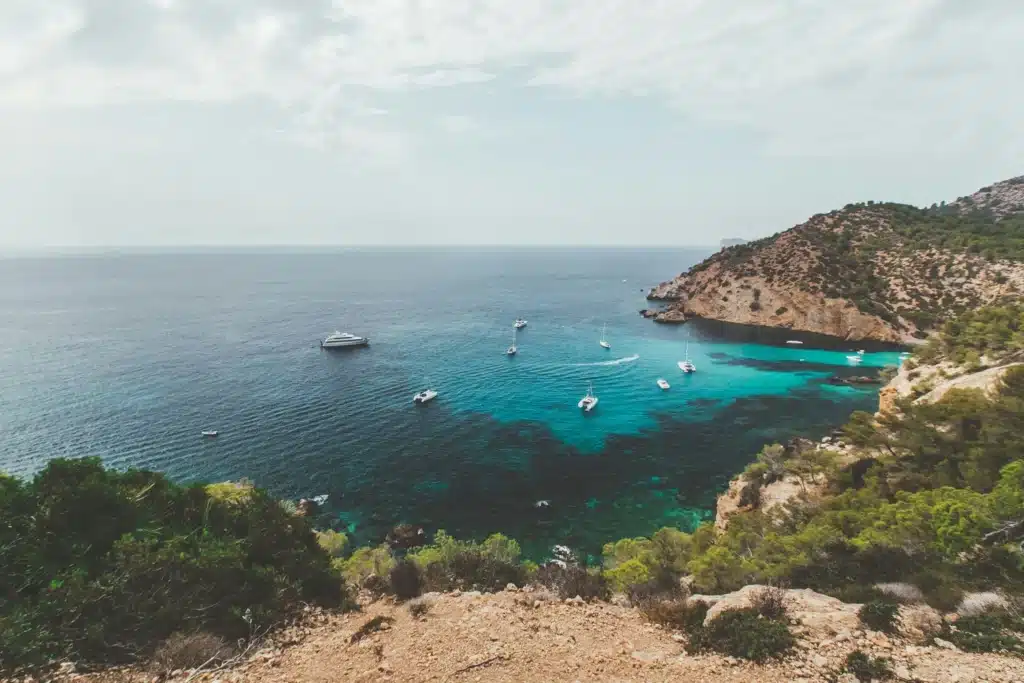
[[884, 272], [929, 383]]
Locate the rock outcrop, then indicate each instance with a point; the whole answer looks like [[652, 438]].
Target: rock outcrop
[[867, 272], [929, 383]]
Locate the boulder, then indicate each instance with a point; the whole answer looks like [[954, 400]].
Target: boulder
[[405, 536], [820, 616]]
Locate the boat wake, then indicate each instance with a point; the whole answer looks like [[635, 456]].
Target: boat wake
[[617, 361]]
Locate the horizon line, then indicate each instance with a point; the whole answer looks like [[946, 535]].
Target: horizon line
[[12, 249]]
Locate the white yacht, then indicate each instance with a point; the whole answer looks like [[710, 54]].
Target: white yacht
[[209, 432], [854, 359], [519, 323], [686, 365], [794, 342], [663, 384], [424, 396], [343, 340], [604, 342], [512, 350], [588, 402]]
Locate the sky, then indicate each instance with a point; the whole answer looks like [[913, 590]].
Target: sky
[[397, 122]]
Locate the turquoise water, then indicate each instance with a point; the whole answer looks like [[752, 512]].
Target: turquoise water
[[130, 357]]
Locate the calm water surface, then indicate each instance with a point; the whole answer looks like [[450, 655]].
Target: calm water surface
[[129, 357]]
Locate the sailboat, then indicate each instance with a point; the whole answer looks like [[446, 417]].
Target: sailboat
[[588, 402], [604, 342], [512, 349], [686, 365]]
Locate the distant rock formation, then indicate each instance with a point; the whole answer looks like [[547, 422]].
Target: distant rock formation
[[872, 271]]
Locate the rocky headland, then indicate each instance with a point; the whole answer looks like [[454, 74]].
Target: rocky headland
[[871, 271]]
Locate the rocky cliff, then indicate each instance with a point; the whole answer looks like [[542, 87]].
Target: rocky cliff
[[885, 272]]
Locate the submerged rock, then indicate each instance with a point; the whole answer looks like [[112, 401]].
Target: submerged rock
[[406, 536]]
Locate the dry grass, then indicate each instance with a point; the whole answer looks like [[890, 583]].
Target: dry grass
[[190, 651]]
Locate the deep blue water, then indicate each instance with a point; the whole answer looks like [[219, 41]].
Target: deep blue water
[[129, 357]]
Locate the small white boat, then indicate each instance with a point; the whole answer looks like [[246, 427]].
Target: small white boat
[[542, 504], [319, 500], [861, 352], [210, 432], [424, 396], [663, 384], [588, 402], [343, 340], [519, 324], [794, 341], [854, 359], [512, 350], [604, 342]]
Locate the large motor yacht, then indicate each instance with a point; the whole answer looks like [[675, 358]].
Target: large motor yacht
[[519, 323], [343, 340]]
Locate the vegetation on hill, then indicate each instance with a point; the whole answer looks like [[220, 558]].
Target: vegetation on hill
[[97, 565], [995, 333], [908, 266]]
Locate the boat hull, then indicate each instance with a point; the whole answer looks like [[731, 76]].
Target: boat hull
[[332, 346]]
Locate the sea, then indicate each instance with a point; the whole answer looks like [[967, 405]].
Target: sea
[[130, 356]]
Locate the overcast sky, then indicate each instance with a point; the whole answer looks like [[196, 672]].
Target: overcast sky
[[184, 122]]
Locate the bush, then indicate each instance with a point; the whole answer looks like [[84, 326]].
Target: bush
[[448, 564], [755, 305], [880, 615], [366, 562], [664, 586], [987, 633], [190, 651], [419, 608], [405, 580], [770, 602], [572, 580], [629, 573], [102, 566], [333, 542], [684, 615], [781, 310], [745, 634], [867, 668]]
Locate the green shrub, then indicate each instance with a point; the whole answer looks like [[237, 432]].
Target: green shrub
[[781, 310], [987, 633], [101, 566], [867, 668], [745, 634], [333, 542], [405, 580], [448, 563], [366, 562], [880, 615], [630, 573]]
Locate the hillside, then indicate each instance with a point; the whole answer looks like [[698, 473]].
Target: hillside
[[878, 271]]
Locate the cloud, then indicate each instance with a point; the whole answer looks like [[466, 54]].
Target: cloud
[[458, 124], [870, 77]]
